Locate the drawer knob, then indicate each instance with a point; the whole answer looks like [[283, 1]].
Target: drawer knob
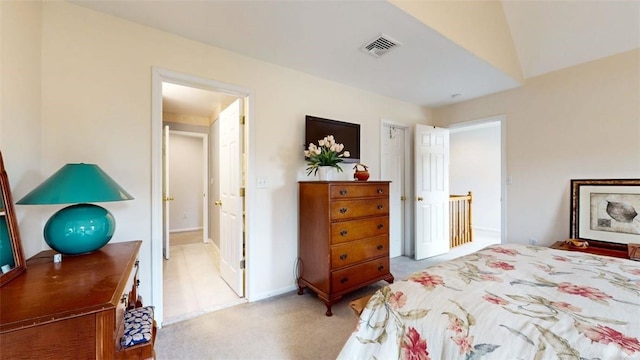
[[123, 299], [380, 226], [343, 192], [343, 210], [343, 280], [343, 233], [381, 267], [380, 191], [380, 247], [343, 257], [137, 263], [380, 207], [137, 282]]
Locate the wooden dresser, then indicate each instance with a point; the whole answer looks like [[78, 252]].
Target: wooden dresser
[[69, 310], [343, 237]]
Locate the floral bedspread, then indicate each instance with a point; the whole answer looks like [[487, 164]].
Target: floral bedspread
[[506, 302]]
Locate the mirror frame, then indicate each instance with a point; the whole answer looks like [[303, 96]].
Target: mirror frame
[[12, 227]]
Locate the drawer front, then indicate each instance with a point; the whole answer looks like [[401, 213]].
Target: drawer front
[[340, 191], [345, 231], [348, 209], [355, 275], [359, 250]]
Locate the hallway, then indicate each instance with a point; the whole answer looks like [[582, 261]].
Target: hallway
[[192, 282]]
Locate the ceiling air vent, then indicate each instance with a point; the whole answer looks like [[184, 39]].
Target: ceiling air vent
[[380, 46]]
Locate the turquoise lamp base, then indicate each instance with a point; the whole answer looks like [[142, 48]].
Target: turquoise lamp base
[[79, 229]]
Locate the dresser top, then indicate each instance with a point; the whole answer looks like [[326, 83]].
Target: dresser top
[[347, 182], [78, 285]]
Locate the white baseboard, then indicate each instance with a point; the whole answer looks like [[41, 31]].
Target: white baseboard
[[486, 229], [185, 230], [270, 294]]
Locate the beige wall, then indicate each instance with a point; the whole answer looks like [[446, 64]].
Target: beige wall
[[478, 26], [96, 107], [20, 61], [579, 123]]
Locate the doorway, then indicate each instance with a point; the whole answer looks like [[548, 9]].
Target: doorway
[[489, 231], [197, 281], [191, 271], [478, 164], [395, 167]]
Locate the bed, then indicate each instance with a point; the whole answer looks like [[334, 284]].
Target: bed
[[506, 302]]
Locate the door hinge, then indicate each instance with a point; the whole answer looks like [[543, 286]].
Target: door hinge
[[242, 120], [241, 192], [241, 264]]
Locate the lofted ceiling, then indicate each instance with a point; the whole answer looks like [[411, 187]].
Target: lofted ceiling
[[324, 38]]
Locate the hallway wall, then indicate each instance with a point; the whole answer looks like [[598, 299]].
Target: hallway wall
[[185, 179]]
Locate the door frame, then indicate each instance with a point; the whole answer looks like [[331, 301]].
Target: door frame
[[158, 76], [502, 119], [408, 233], [205, 176]]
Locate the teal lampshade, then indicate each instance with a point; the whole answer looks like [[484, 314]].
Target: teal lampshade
[[79, 228]]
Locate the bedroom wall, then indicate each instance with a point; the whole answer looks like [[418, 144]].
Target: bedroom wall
[[20, 120], [96, 96], [582, 122]]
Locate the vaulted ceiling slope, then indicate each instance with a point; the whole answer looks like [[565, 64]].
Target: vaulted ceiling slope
[[437, 56]]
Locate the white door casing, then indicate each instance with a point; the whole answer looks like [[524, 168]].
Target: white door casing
[[154, 267], [166, 195], [431, 191], [230, 170], [393, 169]]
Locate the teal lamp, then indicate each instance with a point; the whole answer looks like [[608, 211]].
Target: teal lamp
[[80, 228]]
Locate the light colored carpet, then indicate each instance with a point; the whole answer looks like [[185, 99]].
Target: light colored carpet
[[289, 326], [285, 327]]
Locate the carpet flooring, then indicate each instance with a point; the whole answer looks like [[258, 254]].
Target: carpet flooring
[[284, 327], [289, 326]]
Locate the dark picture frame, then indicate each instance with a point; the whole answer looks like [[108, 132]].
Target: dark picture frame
[[606, 210], [11, 253]]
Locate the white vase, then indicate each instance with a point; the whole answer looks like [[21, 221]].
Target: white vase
[[326, 173]]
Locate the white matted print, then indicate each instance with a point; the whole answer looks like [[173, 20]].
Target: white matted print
[[606, 210], [616, 213]]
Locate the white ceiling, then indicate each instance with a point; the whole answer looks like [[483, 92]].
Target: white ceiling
[[324, 38], [184, 100]]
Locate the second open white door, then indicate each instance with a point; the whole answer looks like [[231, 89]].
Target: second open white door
[[432, 191]]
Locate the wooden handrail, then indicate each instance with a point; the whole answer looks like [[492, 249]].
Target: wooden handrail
[[460, 216]]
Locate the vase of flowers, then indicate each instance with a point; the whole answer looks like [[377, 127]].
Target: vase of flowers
[[328, 153]]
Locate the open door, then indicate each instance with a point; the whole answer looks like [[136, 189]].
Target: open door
[[231, 198], [432, 191], [166, 196]]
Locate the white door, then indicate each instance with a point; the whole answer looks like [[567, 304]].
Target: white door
[[393, 169], [432, 191], [230, 170], [166, 196]]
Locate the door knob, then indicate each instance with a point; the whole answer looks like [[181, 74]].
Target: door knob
[[217, 203], [403, 198], [420, 198], [167, 198]]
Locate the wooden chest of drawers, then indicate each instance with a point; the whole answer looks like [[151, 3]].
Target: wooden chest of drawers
[[73, 309], [343, 237]]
